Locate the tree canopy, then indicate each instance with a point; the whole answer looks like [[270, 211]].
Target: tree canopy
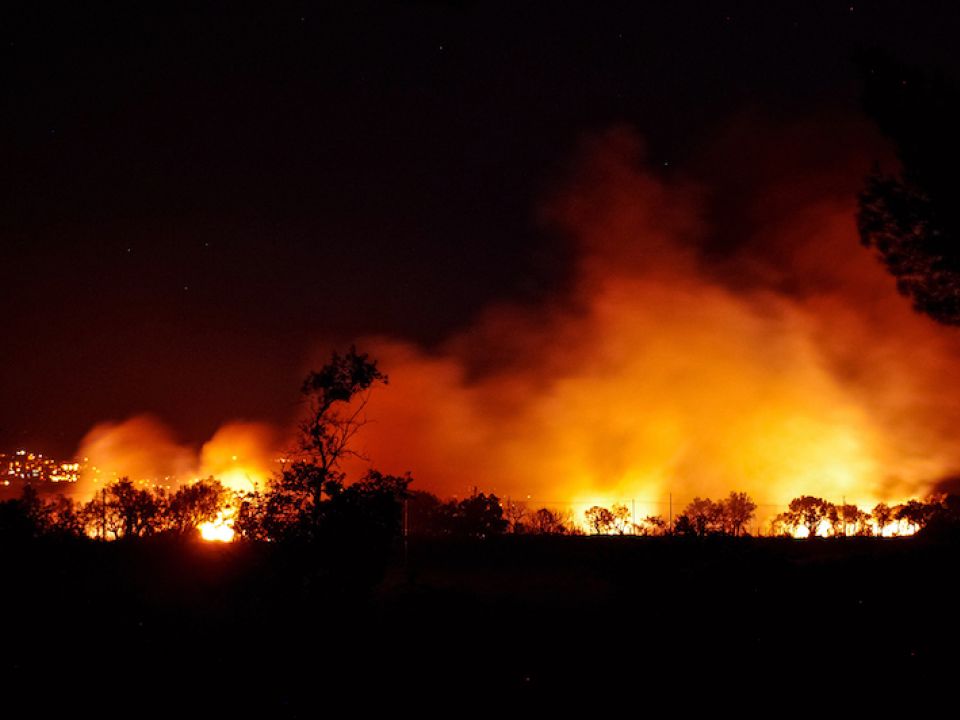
[[910, 218]]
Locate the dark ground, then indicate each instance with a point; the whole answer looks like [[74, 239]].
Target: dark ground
[[165, 626]]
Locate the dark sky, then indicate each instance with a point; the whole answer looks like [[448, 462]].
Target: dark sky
[[197, 203]]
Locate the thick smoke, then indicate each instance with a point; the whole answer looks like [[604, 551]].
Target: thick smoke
[[725, 334], [780, 364], [241, 455]]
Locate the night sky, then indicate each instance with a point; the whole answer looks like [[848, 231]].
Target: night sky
[[198, 204]]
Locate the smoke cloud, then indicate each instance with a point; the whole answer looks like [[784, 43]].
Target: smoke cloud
[[242, 455], [728, 333], [680, 362]]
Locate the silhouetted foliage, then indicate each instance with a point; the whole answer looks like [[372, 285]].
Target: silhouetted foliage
[[736, 512], [63, 517], [916, 512], [614, 520], [426, 514], [549, 522], [883, 515], [944, 519], [704, 516], [517, 516], [371, 508], [809, 511], [477, 516], [124, 510], [336, 398], [651, 525], [194, 504], [22, 518], [600, 519], [847, 519], [911, 219], [311, 494], [621, 519]]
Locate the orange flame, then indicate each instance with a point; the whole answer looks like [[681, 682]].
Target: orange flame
[[786, 366], [789, 367]]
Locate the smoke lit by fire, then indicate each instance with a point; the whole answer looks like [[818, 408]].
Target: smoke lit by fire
[[675, 362], [240, 455], [787, 365]]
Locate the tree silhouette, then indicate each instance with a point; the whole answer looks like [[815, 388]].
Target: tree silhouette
[[621, 518], [704, 515], [295, 503], [651, 525], [683, 527], [911, 219], [62, 517], [517, 516], [194, 504], [371, 508], [425, 514], [124, 510], [336, 397], [916, 513], [737, 511], [882, 514], [783, 524], [548, 522], [809, 512], [22, 518], [847, 519], [477, 516], [600, 520]]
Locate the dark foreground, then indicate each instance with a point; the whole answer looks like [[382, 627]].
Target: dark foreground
[[164, 626]]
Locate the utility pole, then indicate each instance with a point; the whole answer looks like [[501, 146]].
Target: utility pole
[[406, 531], [103, 514]]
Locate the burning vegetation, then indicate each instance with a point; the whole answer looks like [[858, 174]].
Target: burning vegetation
[[702, 342]]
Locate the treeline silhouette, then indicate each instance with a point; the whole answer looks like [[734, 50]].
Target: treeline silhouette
[[379, 509], [338, 589], [311, 499]]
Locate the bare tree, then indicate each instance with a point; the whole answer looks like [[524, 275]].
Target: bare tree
[[516, 514]]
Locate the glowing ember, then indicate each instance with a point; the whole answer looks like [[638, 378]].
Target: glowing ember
[[219, 530]]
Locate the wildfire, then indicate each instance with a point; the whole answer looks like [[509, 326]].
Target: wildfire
[[662, 372], [899, 528], [786, 365], [219, 530]]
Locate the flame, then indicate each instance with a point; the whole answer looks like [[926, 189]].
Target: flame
[[897, 528], [784, 367], [706, 341], [241, 455], [219, 530]]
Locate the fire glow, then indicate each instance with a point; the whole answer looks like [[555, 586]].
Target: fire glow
[[786, 366], [219, 530]]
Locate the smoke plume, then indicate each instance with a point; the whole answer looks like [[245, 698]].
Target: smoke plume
[[724, 333], [682, 362]]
